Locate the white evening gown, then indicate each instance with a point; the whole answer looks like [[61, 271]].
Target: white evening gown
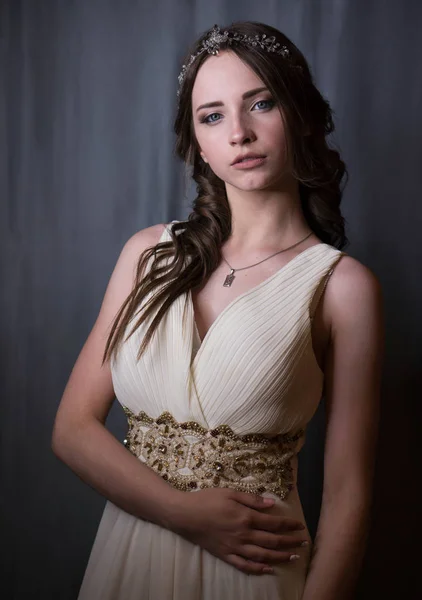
[[256, 372]]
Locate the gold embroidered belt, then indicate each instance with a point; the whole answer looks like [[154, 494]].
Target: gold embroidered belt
[[190, 457]]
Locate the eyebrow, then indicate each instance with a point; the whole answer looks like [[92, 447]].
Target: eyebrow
[[244, 97]]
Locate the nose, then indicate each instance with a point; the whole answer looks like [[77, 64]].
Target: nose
[[241, 132]]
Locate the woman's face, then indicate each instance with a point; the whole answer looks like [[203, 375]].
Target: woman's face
[[239, 124]]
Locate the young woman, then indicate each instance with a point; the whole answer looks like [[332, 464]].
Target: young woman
[[219, 335]]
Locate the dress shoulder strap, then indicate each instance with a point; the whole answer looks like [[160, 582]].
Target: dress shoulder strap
[[322, 285]]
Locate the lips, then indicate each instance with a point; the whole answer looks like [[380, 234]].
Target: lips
[[244, 157]]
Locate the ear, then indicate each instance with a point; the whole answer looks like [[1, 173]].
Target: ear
[[203, 157]]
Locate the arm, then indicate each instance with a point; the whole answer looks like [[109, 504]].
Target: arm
[[352, 385], [80, 438]]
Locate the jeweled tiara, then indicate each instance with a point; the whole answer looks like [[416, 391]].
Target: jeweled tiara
[[212, 42]]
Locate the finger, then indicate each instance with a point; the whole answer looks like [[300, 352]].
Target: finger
[[277, 542], [252, 500], [247, 566], [264, 556], [287, 524], [275, 523]]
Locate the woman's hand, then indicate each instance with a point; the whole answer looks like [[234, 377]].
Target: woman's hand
[[234, 527]]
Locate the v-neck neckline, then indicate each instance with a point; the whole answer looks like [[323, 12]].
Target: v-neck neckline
[[229, 306]]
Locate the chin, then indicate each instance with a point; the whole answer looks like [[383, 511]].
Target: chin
[[255, 181]]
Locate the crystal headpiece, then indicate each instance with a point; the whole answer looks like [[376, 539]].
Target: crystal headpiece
[[213, 40]]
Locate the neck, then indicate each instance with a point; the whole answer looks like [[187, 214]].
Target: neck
[[265, 220]]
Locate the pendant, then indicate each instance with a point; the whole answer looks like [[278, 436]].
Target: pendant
[[229, 279]]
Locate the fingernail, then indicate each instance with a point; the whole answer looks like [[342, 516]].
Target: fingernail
[[294, 557], [305, 543]]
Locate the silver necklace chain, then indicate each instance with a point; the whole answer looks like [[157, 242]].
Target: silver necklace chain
[[230, 277]]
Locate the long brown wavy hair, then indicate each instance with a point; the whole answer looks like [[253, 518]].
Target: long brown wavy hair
[[195, 243]]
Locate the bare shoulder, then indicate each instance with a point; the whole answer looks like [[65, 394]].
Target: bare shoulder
[[124, 273], [353, 293], [144, 238]]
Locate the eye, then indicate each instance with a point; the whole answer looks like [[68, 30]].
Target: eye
[[271, 102], [208, 119]]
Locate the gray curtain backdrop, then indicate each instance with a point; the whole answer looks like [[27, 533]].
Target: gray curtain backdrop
[[87, 101]]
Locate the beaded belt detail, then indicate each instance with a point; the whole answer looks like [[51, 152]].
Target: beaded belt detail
[[252, 463]]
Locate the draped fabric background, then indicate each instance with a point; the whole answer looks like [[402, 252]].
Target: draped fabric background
[[87, 101]]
